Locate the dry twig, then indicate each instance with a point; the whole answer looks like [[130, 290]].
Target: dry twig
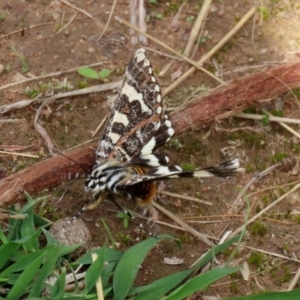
[[277, 201], [192, 62], [207, 56], [197, 27]]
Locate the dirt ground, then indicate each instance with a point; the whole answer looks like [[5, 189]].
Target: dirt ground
[[269, 39]]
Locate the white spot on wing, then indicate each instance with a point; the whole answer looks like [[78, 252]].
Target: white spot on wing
[[168, 123], [120, 118], [170, 131], [114, 137], [140, 55], [132, 95], [165, 171], [148, 148]]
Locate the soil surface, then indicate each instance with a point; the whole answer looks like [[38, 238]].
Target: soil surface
[[38, 38]]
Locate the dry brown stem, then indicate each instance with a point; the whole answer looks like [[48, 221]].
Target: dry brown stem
[[219, 104]]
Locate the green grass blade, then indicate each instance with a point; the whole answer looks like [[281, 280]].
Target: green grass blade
[[21, 264], [28, 229], [6, 251], [216, 250], [106, 274], [199, 282], [57, 290], [51, 257], [160, 287], [292, 295], [111, 255], [3, 238], [128, 267], [25, 279], [94, 271]]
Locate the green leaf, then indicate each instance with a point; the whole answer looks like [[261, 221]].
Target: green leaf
[[89, 73], [164, 285], [216, 250], [22, 263], [58, 289], [111, 255], [6, 251], [51, 257], [28, 229], [292, 295], [199, 282], [25, 279], [94, 271], [16, 224], [104, 73], [129, 264], [160, 287], [106, 274], [3, 238]]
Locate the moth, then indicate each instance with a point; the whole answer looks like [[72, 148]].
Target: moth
[[128, 164]]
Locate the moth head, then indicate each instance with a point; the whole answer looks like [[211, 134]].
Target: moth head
[[97, 180]]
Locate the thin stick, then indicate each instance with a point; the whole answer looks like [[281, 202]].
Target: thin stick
[[99, 287], [108, 21], [48, 75], [183, 224], [66, 2], [288, 128], [218, 46], [30, 27], [192, 62], [39, 25], [175, 195], [71, 20], [19, 154], [271, 118], [237, 203], [100, 125], [294, 281], [40, 129], [92, 89], [270, 253], [267, 208], [197, 26], [4, 121], [273, 187]]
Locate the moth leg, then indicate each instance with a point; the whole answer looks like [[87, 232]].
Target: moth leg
[[98, 198], [125, 211]]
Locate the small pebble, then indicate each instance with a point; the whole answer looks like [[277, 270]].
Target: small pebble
[[213, 8], [91, 50], [70, 234], [58, 114], [263, 51], [66, 33]]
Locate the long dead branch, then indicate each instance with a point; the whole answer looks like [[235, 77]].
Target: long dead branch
[[221, 103]]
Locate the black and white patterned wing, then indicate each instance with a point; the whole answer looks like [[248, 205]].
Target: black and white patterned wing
[[137, 124], [224, 169]]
